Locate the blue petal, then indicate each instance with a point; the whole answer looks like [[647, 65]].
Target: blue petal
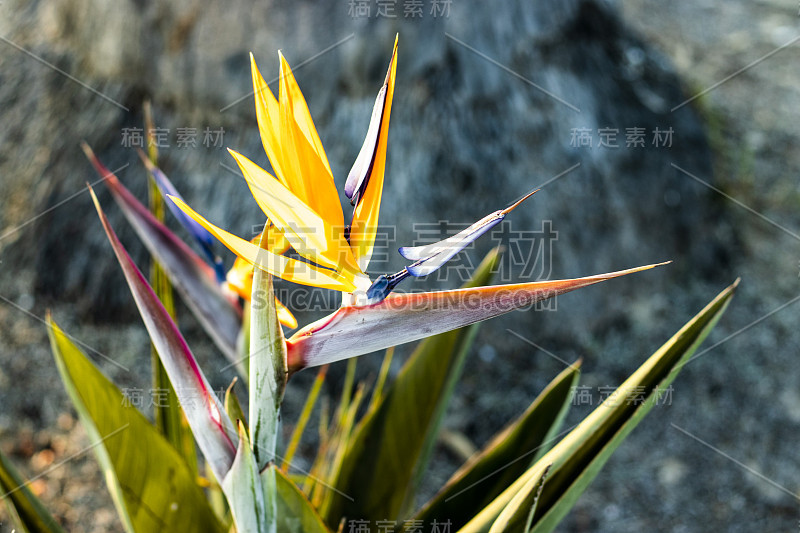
[[383, 285]]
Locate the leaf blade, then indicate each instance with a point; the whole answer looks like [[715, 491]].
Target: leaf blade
[[295, 512], [148, 479], [29, 510], [507, 456], [578, 458]]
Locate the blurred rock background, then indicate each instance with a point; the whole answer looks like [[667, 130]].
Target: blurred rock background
[[491, 101]]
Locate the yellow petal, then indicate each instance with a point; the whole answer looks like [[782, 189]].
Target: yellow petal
[[301, 114], [268, 116], [365, 217], [308, 233], [277, 265], [240, 278], [276, 241], [285, 316], [302, 153], [240, 281]]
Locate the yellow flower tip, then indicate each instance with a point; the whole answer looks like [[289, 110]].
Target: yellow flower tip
[[254, 71], [284, 65]]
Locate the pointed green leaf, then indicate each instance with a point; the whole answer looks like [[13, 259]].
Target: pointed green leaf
[[383, 373], [232, 405], [29, 510], [305, 415], [295, 512], [578, 458], [393, 441], [522, 507], [149, 481], [508, 455], [242, 488]]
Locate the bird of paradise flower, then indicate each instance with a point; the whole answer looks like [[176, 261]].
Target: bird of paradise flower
[[304, 215]]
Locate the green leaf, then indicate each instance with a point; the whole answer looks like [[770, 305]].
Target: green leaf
[[333, 450], [383, 373], [392, 443], [522, 507], [29, 510], [232, 405], [242, 487], [268, 373], [295, 512], [152, 487], [508, 455], [577, 459]]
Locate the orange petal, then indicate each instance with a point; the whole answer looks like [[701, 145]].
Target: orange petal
[[303, 156], [306, 230], [285, 316], [268, 116], [365, 217]]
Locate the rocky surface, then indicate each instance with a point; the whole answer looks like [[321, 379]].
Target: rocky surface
[[490, 102]]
